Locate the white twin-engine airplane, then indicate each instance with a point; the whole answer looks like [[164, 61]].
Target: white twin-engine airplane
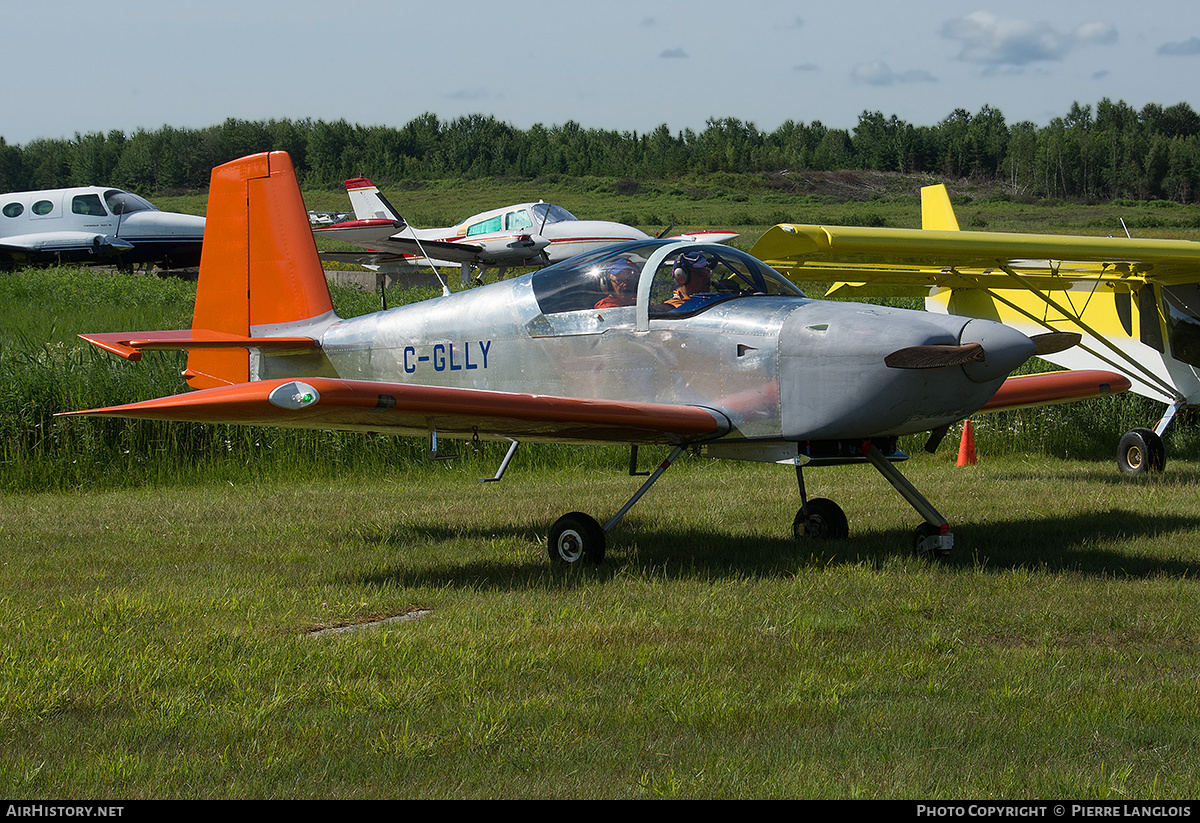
[[95, 225], [522, 235]]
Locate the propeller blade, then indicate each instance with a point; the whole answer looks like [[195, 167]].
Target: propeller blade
[[934, 357], [1055, 341]]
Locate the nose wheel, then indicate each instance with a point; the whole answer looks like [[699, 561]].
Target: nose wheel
[[823, 520]]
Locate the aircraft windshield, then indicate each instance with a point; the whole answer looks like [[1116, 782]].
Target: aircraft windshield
[[697, 278], [583, 281], [122, 202], [1183, 321], [546, 213], [607, 278]]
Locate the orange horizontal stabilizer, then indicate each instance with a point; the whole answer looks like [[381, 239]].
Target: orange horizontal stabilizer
[[130, 345], [1055, 387], [396, 408]]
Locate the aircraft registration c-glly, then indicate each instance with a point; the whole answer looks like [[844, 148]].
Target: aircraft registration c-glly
[[693, 345]]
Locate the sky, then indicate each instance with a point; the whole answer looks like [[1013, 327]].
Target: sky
[[84, 67]]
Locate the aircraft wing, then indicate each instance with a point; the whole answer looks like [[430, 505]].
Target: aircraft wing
[[1051, 388], [62, 244], [443, 250], [397, 408], [707, 236], [921, 258]]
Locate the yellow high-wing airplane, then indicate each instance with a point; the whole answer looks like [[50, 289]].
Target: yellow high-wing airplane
[[1136, 303]]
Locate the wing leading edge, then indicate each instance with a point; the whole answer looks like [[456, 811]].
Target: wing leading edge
[[1052, 388], [396, 408], [965, 259]]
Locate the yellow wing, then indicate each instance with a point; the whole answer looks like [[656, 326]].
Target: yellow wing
[[1129, 299], [942, 256]]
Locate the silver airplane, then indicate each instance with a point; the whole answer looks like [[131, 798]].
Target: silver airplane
[[695, 345]]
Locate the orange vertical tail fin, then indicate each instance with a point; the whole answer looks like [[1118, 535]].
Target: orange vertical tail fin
[[258, 267]]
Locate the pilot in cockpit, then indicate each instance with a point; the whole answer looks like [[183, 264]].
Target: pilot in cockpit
[[619, 280], [692, 276]]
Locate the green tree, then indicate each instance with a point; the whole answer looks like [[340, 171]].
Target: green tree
[[834, 151]]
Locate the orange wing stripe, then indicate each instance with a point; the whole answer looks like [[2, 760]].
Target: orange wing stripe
[[1055, 387], [356, 405]]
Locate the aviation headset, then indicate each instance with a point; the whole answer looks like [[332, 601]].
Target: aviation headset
[[682, 273], [615, 269]]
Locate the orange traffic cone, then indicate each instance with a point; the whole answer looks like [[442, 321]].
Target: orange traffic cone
[[966, 447]]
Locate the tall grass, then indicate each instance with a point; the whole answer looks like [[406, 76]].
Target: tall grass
[[46, 369]]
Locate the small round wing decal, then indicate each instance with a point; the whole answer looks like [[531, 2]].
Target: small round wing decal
[[294, 395]]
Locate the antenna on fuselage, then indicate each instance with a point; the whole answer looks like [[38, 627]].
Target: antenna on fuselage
[[396, 216], [436, 273]]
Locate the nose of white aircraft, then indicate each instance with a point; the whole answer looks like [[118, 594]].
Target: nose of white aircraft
[[163, 224]]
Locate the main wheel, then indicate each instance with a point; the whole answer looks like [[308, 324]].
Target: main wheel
[[826, 521], [1141, 451], [576, 537], [923, 531]]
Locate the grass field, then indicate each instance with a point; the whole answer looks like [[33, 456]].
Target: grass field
[[209, 612], [163, 641]]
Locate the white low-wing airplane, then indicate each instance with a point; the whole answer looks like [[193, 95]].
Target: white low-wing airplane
[[92, 224], [521, 235]]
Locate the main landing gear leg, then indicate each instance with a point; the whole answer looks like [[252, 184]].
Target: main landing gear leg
[[577, 536], [931, 537]]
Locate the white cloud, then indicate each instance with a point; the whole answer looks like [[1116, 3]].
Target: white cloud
[[997, 41], [673, 54], [878, 73], [1096, 34], [1185, 48]]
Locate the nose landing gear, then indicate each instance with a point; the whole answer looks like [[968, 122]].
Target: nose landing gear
[[822, 519]]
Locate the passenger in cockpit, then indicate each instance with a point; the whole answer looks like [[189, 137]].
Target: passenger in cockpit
[[618, 279], [692, 276]]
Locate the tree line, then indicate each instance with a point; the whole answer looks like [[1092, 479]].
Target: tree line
[[1113, 151]]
